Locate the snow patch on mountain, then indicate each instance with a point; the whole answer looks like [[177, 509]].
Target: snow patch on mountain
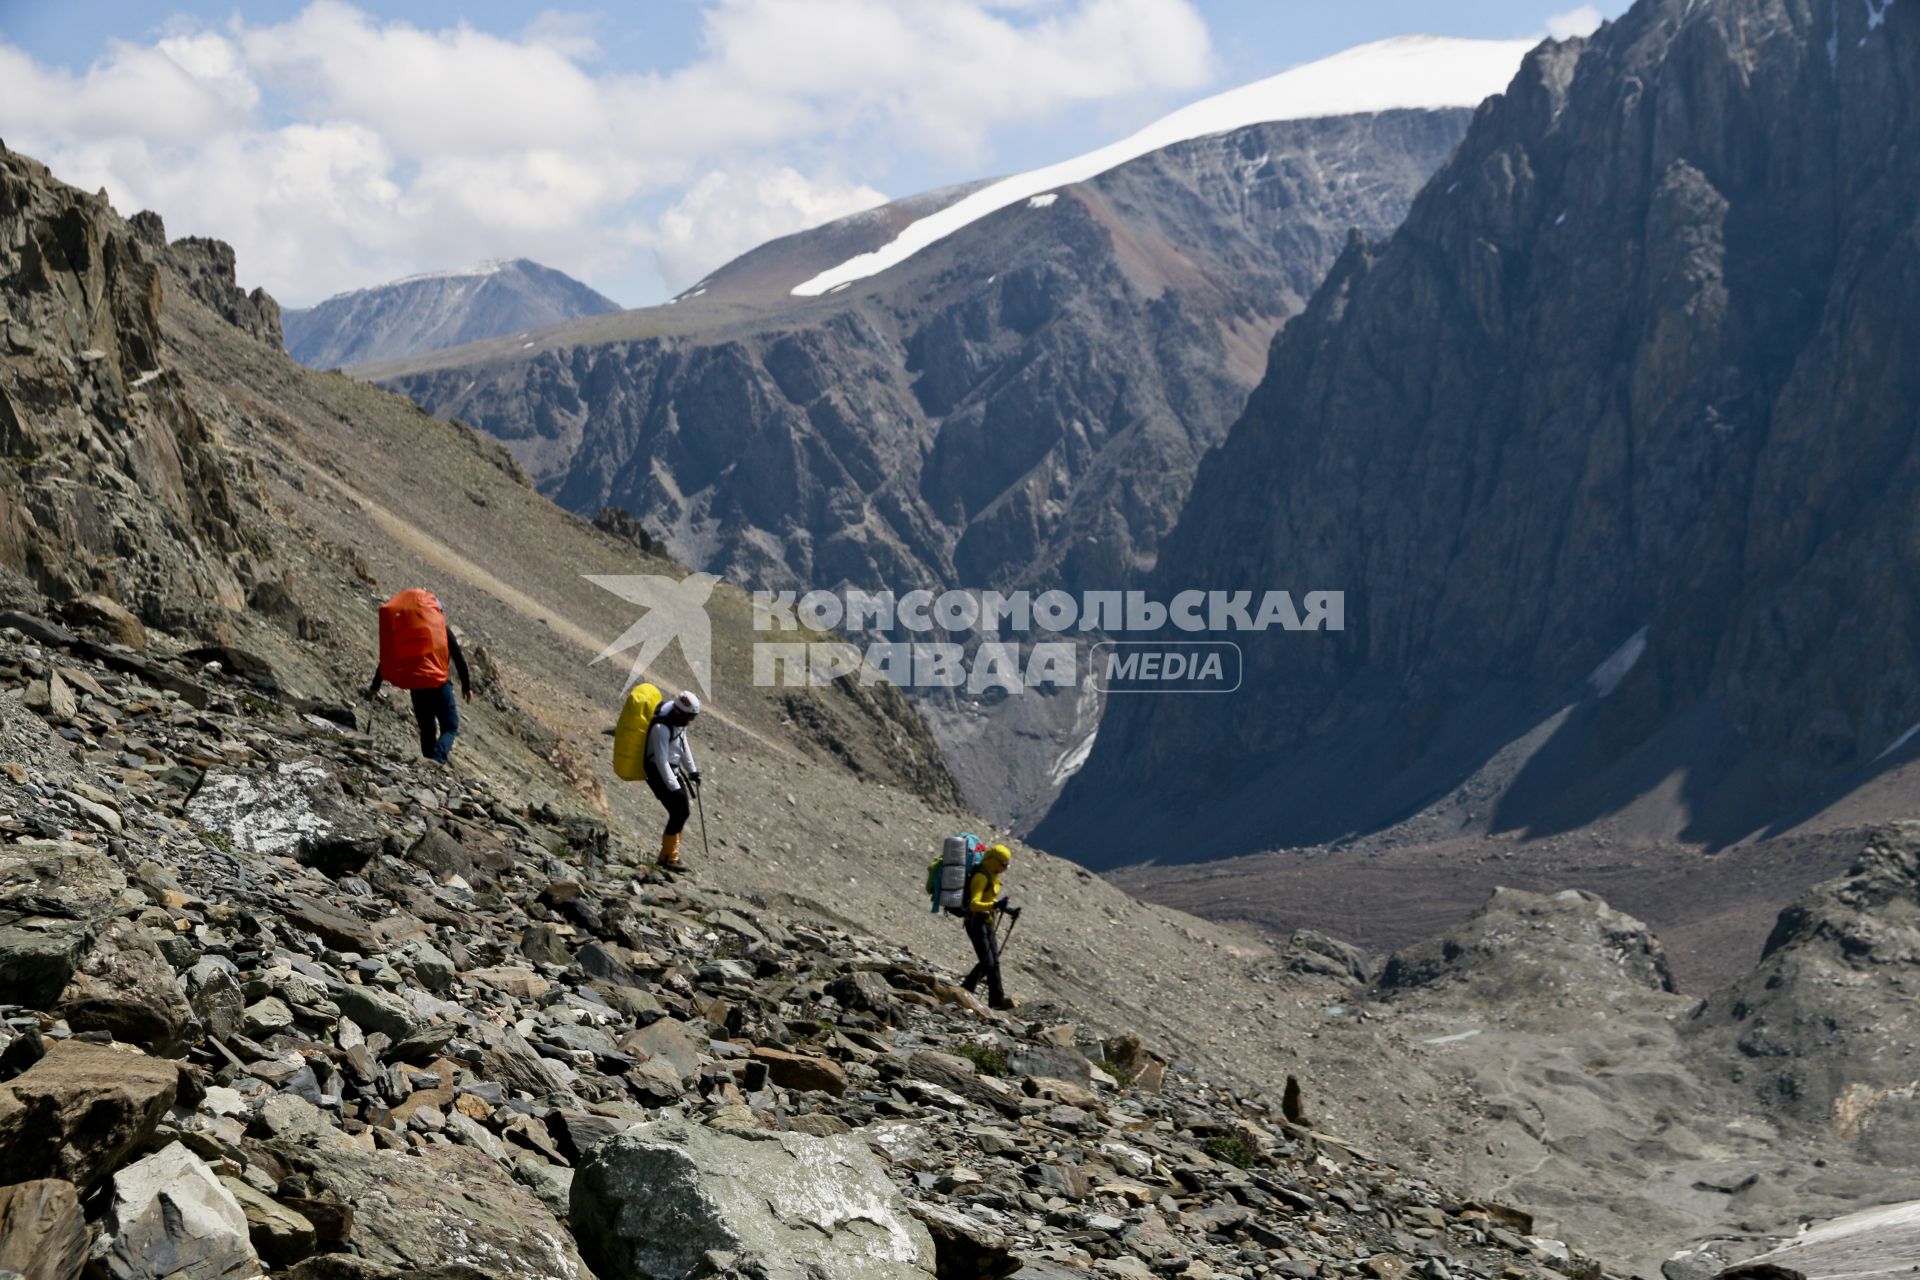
[[1408, 72], [1607, 676], [479, 270]]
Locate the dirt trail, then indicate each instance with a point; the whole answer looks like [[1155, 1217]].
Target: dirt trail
[[445, 558]]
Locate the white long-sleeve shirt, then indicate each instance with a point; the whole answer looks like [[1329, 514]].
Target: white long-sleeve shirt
[[667, 746]]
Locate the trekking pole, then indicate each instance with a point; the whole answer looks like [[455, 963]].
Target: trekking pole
[[706, 851], [1000, 947]]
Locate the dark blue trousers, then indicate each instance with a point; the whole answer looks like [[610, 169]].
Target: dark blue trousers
[[437, 712]]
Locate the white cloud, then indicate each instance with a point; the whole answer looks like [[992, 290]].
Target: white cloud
[[335, 148], [1583, 21], [724, 214]]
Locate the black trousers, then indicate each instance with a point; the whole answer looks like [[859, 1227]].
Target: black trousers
[[678, 804], [980, 933]]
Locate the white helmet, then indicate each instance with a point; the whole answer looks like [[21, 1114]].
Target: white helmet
[[688, 702]]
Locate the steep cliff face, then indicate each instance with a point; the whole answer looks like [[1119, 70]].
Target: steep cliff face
[[111, 482], [1612, 447], [1024, 402], [440, 309]]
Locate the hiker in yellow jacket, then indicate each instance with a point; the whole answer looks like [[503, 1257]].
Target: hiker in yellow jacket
[[984, 907]]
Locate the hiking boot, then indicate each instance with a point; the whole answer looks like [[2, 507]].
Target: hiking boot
[[1002, 1002]]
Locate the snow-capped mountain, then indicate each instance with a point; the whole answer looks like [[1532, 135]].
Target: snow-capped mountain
[[1425, 72], [437, 309]]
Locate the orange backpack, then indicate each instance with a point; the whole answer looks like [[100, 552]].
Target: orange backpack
[[413, 641]]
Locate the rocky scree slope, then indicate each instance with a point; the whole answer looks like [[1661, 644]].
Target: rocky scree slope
[[1023, 402], [436, 310], [279, 1001], [1608, 447]]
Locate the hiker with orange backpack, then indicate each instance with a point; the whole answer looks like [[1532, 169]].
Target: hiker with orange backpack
[[650, 742], [416, 648]]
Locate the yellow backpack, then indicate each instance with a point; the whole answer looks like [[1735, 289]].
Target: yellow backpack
[[630, 735]]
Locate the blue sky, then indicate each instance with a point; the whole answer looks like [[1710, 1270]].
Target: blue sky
[[339, 144]]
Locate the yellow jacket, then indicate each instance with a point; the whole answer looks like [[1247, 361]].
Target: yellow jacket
[[983, 892]]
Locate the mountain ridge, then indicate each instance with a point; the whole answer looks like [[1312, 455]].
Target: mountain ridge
[[432, 310], [1403, 73]]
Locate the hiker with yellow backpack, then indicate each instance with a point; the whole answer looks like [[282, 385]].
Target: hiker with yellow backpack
[[985, 906], [965, 881], [650, 742]]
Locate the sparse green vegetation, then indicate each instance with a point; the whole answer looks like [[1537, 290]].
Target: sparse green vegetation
[[986, 1059], [1229, 1149]]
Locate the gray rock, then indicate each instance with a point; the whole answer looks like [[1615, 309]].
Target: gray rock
[[440, 1206], [542, 944], [214, 995], [552, 1183], [958, 1075], [281, 1236], [300, 812], [125, 986], [378, 1010], [1051, 1062], [965, 1248], [264, 1017], [865, 990], [54, 899], [434, 969], [51, 698], [670, 1041], [667, 1200], [170, 1215]]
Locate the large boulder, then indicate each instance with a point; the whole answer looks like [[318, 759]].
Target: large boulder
[[802, 1071], [171, 1216], [440, 1207], [298, 810], [54, 899], [668, 1200], [42, 1235], [125, 986], [77, 1112], [110, 616]]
